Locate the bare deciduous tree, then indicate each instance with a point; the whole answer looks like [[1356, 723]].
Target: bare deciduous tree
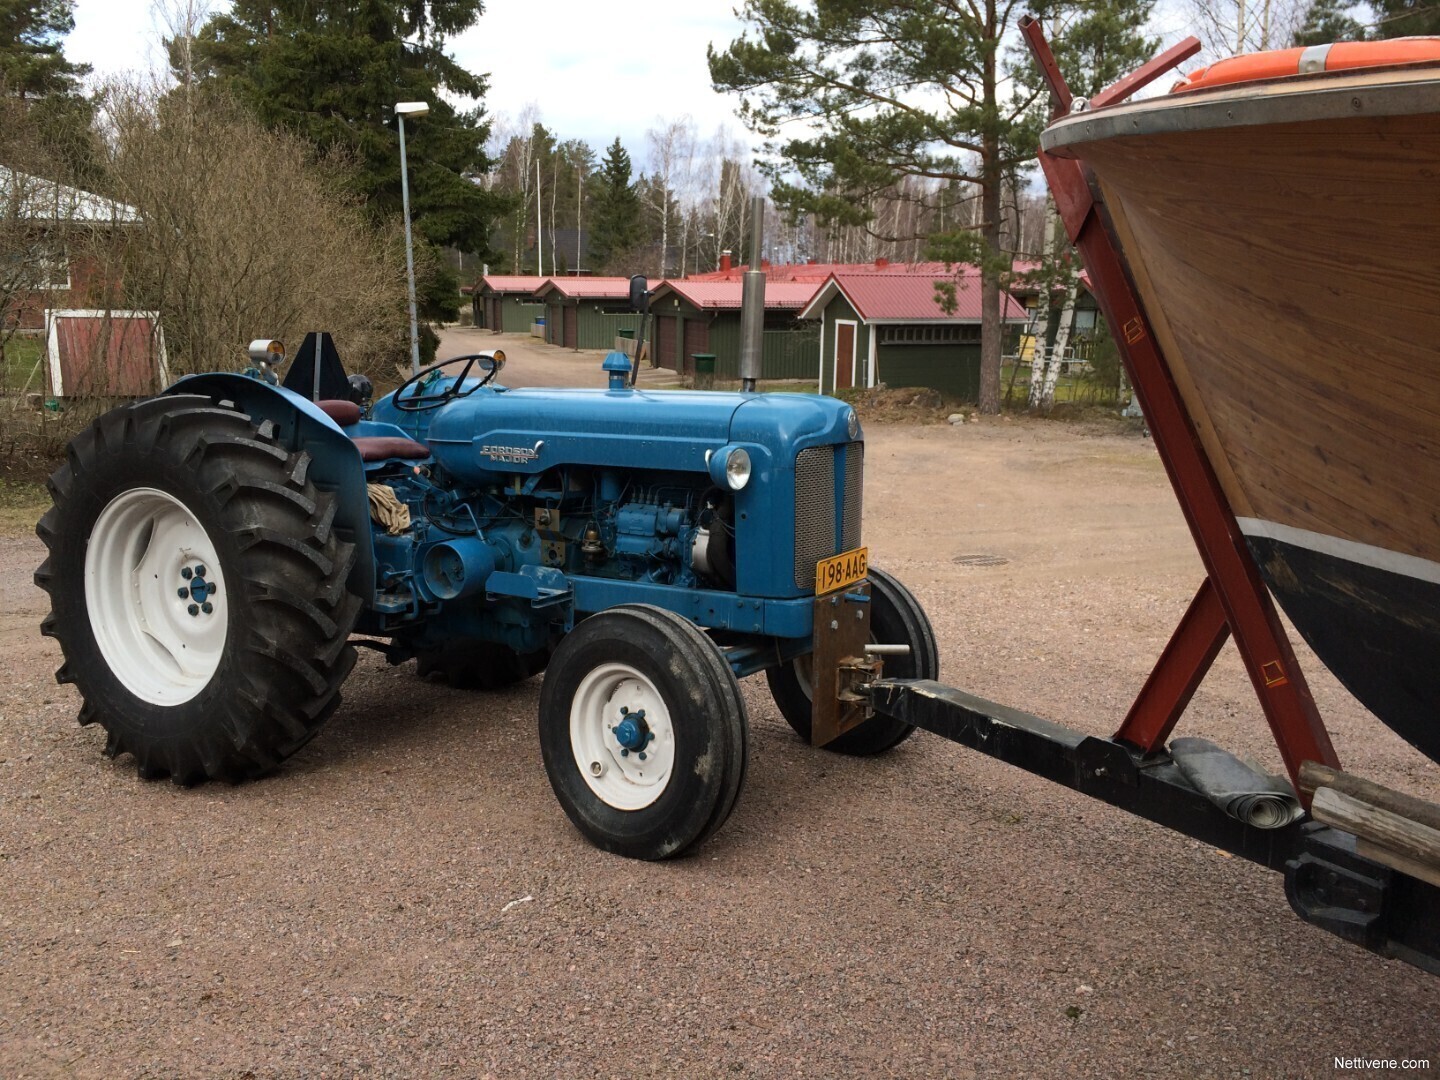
[[1228, 27], [179, 22], [672, 156], [243, 233]]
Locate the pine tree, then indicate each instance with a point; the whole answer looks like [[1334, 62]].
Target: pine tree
[[332, 70], [1405, 18], [1327, 21], [45, 88], [888, 90], [615, 227], [32, 62]]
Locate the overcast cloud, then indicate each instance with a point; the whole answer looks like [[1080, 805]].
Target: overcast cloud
[[594, 71]]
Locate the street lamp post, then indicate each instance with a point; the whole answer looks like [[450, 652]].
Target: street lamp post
[[402, 110]]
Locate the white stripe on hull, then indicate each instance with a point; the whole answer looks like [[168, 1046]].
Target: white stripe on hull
[[1365, 554]]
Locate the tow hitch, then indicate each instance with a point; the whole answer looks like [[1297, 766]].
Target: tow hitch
[[845, 663]]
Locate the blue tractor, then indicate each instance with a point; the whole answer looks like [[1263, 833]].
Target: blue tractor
[[215, 551]]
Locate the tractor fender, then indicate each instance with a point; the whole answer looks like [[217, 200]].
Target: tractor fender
[[335, 463]]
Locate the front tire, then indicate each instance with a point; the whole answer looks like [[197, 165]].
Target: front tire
[[896, 619], [197, 589], [643, 732]]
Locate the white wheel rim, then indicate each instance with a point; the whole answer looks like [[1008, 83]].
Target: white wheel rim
[[617, 773], [160, 625]]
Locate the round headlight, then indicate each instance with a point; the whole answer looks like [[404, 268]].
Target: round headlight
[[737, 469], [852, 424], [269, 350]]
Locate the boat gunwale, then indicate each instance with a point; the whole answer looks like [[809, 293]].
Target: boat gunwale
[[1286, 100]]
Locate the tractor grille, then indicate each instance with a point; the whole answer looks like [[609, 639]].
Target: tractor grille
[[814, 511], [815, 530], [854, 487]]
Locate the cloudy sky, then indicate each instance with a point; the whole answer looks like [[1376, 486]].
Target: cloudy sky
[[593, 70]]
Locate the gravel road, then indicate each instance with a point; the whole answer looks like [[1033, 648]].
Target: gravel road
[[405, 898], [530, 362]]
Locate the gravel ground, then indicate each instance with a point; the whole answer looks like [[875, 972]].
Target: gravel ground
[[406, 898], [530, 362]]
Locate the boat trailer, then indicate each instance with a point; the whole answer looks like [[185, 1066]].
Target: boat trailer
[[1365, 863]]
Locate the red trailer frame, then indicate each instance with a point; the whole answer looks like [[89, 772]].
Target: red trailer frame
[[1232, 599], [1326, 881]]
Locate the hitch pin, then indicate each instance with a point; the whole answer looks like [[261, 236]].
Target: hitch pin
[[887, 650]]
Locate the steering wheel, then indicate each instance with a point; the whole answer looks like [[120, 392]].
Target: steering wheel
[[416, 401]]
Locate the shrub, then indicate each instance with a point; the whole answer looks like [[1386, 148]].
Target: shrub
[[245, 232]]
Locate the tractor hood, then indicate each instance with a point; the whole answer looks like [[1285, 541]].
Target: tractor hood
[[497, 431]]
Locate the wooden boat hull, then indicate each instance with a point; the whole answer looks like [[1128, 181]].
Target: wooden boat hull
[[1285, 241]]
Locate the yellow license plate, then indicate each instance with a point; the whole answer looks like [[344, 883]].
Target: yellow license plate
[[841, 570]]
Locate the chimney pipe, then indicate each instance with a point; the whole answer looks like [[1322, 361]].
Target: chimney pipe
[[725, 261]]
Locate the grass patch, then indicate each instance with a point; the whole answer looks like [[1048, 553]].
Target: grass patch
[[21, 355], [1079, 386], [22, 501]]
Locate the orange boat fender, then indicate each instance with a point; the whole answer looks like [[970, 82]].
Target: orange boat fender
[[1340, 56]]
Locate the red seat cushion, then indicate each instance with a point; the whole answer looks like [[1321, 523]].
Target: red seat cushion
[[342, 412], [380, 447]]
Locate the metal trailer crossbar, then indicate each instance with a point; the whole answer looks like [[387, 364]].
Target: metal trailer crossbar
[[1328, 881]]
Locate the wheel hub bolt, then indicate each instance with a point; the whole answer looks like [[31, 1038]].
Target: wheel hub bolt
[[186, 573], [631, 733], [194, 609], [207, 607], [184, 594]]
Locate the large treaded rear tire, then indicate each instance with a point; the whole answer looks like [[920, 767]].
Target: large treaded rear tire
[[287, 612], [898, 619]]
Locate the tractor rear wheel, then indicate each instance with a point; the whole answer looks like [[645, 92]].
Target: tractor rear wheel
[[197, 589], [897, 619], [643, 731]]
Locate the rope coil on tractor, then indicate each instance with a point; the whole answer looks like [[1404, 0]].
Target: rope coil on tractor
[[1312, 60], [386, 509]]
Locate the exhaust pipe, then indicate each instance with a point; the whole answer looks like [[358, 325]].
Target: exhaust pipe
[[752, 302]]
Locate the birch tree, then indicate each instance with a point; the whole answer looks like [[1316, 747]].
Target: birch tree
[[671, 146]]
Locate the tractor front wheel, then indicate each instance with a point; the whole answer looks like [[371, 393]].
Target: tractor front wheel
[[643, 731], [197, 589], [896, 619]]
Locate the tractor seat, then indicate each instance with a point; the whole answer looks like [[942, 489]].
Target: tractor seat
[[381, 447], [371, 447], [341, 411]]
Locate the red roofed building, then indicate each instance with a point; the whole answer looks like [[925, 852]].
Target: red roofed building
[[820, 272], [891, 327], [703, 316], [1045, 314], [507, 302], [586, 312]]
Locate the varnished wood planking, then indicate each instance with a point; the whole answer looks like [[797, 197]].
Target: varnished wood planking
[[1298, 295]]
